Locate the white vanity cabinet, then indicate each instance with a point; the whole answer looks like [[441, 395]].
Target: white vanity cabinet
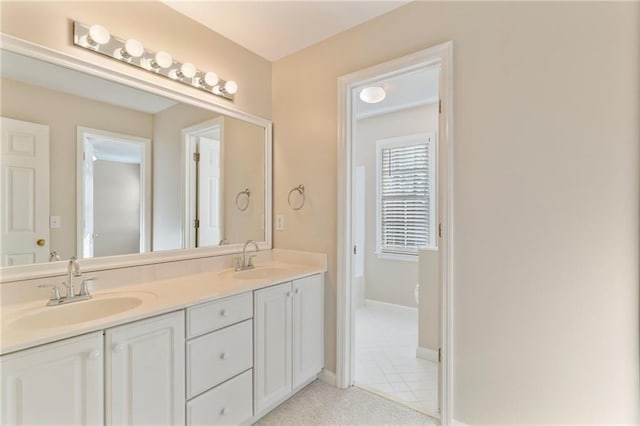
[[145, 371], [220, 361], [289, 348], [59, 383]]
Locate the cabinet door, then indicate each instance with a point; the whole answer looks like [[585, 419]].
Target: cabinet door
[[145, 372], [272, 358], [308, 328], [56, 384]]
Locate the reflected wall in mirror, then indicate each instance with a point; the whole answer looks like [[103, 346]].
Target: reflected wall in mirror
[[95, 168]]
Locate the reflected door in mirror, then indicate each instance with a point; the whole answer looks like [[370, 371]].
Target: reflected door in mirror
[[24, 186]]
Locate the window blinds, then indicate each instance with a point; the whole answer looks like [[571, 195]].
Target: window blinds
[[405, 198]]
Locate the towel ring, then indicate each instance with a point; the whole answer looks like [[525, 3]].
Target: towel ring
[[239, 204], [300, 190]]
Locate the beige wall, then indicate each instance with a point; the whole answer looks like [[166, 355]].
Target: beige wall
[[49, 23], [63, 113], [387, 280], [546, 196]]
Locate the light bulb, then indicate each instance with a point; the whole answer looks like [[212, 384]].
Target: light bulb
[[372, 95], [187, 70], [98, 35], [231, 87], [133, 48], [162, 60], [209, 79]]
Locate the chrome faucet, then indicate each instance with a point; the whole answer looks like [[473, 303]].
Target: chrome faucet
[[243, 262], [73, 270]]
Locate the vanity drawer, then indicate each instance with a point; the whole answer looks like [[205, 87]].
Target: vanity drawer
[[219, 313], [231, 403], [216, 357]]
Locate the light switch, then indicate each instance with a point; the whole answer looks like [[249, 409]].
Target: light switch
[[54, 222], [279, 222]]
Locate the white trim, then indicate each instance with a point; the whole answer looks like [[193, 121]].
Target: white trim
[[428, 354], [372, 302], [150, 84], [405, 257], [328, 377], [455, 422], [442, 56], [397, 108], [145, 184]]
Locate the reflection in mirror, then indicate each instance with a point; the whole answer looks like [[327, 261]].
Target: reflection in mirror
[[95, 168]]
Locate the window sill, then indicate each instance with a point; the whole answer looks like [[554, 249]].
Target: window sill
[[397, 256]]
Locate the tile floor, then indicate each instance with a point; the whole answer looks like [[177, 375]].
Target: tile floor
[[322, 404], [386, 363]]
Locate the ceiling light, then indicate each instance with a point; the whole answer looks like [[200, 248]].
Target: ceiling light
[[209, 79], [372, 95], [231, 87], [98, 35]]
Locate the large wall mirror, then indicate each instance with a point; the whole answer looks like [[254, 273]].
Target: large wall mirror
[[92, 167]]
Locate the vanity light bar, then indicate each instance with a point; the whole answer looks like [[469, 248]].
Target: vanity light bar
[[98, 39]]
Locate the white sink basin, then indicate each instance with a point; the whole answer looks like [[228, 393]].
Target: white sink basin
[[77, 312], [260, 272]]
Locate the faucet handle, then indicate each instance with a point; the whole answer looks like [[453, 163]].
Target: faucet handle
[[55, 290], [84, 288]]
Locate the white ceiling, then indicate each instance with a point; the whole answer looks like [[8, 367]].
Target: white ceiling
[[407, 90], [275, 29], [53, 77]]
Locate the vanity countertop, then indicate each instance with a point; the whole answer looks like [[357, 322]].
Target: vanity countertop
[[158, 297]]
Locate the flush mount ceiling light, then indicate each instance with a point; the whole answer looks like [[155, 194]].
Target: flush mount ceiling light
[[372, 95], [97, 38]]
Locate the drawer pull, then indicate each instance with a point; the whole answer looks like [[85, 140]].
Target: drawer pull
[[94, 354], [119, 348], [223, 312], [223, 411], [223, 355]]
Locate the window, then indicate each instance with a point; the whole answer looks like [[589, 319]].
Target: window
[[405, 194]]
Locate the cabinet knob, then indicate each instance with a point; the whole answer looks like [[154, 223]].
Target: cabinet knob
[[223, 312], [223, 355], [288, 294], [297, 290], [94, 354], [119, 348], [223, 411]]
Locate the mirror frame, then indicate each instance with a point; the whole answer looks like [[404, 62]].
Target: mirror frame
[[201, 100]]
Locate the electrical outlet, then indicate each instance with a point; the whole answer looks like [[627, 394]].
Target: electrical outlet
[[279, 222], [54, 222]]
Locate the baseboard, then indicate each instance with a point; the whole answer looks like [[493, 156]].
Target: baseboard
[[428, 354], [371, 302], [455, 422], [328, 377]]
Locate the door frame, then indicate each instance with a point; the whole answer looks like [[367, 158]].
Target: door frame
[[145, 184], [441, 55], [189, 178]]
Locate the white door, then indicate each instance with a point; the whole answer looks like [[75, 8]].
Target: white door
[[308, 328], [209, 212], [145, 372], [358, 227], [25, 193], [56, 384], [272, 360]]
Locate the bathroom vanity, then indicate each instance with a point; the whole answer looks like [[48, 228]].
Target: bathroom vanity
[[178, 357]]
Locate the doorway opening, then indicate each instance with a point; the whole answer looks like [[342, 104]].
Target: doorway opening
[[113, 194], [394, 228]]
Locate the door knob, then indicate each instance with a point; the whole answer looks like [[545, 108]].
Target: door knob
[[41, 242]]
